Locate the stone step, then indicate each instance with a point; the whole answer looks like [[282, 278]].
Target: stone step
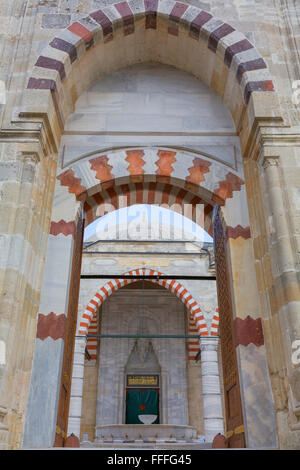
[[146, 445]]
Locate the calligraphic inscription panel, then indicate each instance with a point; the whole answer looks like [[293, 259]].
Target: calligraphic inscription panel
[[142, 380]]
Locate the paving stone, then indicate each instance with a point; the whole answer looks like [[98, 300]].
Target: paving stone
[[55, 21]]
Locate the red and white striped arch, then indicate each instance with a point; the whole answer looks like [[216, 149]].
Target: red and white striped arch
[[171, 284], [169, 178], [198, 174], [179, 200], [193, 344], [214, 329], [92, 343]]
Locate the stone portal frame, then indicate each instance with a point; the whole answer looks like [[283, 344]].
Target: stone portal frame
[[165, 372], [213, 420], [193, 329], [200, 177], [119, 35], [123, 33], [150, 175]]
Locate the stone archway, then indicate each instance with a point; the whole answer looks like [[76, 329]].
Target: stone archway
[[172, 285], [193, 346], [103, 178], [238, 81], [57, 69], [213, 424]]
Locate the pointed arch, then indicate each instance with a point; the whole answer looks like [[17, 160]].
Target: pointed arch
[[214, 329], [178, 200], [170, 284], [70, 63]]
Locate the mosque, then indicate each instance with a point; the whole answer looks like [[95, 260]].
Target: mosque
[[149, 224]]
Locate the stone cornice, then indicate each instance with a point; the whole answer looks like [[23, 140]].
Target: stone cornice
[[37, 120], [263, 132], [46, 132], [42, 135]]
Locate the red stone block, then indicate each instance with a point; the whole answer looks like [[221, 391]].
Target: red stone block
[[81, 31]]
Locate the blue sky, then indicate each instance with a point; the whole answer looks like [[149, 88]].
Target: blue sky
[[141, 214]]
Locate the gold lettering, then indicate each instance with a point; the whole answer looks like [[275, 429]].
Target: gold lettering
[[142, 380]]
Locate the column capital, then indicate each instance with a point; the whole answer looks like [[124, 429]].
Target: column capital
[[28, 157], [209, 344], [80, 344], [270, 160], [269, 156], [81, 338]]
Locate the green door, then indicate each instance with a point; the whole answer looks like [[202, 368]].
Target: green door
[[141, 401]]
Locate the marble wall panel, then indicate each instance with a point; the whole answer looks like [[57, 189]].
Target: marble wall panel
[[43, 397], [149, 97], [54, 296], [260, 425]]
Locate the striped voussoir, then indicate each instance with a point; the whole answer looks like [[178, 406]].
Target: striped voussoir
[[235, 50], [92, 343], [193, 344], [191, 172], [171, 284], [183, 181], [214, 328], [176, 199]]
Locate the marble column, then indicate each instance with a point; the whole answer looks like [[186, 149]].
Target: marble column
[[211, 392], [77, 388]]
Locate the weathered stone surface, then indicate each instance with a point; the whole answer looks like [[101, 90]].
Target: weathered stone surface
[[55, 21], [265, 125]]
